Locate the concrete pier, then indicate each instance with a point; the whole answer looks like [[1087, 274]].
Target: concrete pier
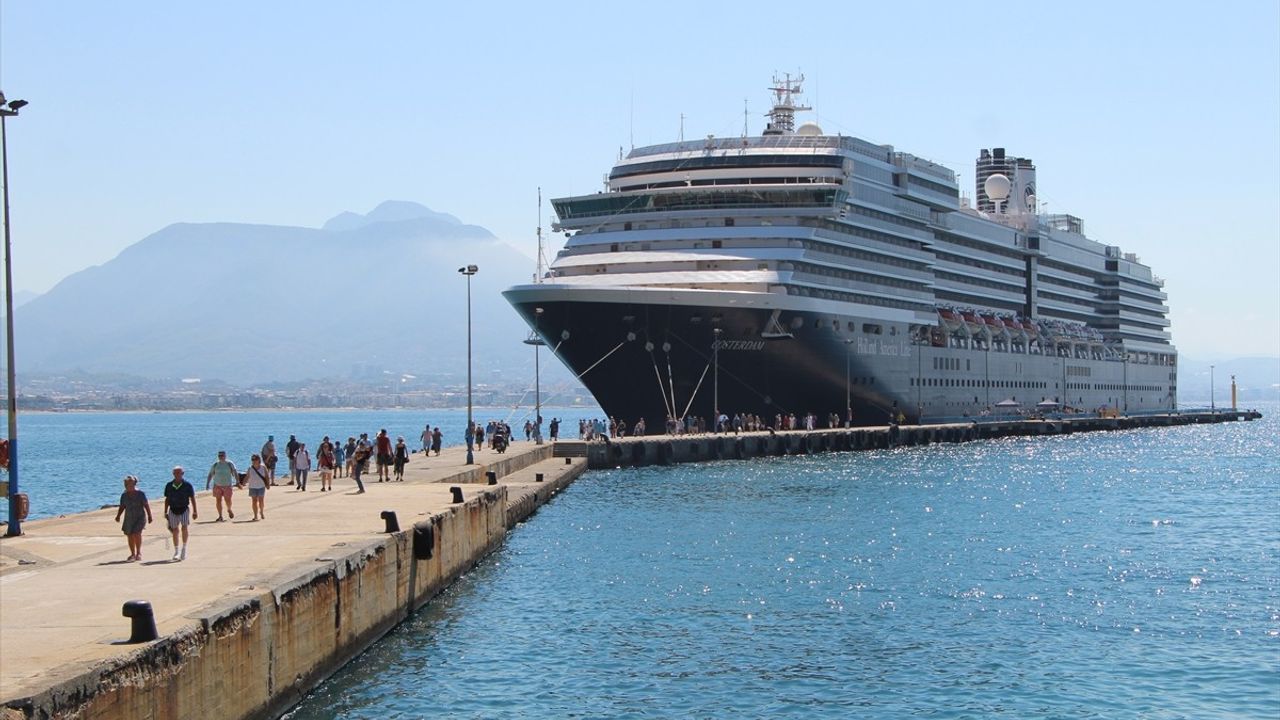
[[260, 612], [670, 450]]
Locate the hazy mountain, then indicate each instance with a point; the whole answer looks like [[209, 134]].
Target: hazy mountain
[[250, 303], [22, 297], [1257, 378]]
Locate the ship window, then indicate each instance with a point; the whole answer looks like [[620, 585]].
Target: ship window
[[613, 247], [716, 244], [626, 226], [728, 222], [871, 328]]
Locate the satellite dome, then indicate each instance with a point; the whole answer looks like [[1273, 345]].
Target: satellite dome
[[809, 128], [997, 187]]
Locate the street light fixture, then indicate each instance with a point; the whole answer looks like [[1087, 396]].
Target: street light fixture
[[10, 109], [469, 270]]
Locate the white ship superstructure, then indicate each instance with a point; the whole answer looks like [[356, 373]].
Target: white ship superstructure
[[823, 273]]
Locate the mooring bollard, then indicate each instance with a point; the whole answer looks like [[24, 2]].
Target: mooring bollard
[[144, 621], [568, 461], [393, 525], [493, 477], [457, 493], [537, 477], [424, 540]]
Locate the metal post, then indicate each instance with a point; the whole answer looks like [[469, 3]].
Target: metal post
[[537, 383], [848, 401], [7, 110], [1212, 404], [1126, 383], [715, 381], [469, 271]]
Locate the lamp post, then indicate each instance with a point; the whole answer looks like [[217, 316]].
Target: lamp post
[[536, 341], [469, 270], [10, 109], [715, 379], [1125, 385], [848, 402], [1212, 405]]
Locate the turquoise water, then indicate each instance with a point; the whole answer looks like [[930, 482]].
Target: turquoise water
[[1128, 574], [75, 461]]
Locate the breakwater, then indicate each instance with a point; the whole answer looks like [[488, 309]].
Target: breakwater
[[260, 612], [670, 450]]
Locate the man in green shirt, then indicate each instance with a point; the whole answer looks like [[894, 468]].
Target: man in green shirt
[[223, 476]]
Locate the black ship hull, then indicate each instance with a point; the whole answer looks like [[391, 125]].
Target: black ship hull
[[655, 360]]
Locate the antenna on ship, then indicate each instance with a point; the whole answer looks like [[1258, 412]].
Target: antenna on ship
[[541, 260], [745, 115], [782, 118], [681, 127]]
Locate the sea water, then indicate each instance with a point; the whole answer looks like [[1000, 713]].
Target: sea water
[[1130, 574], [69, 462]]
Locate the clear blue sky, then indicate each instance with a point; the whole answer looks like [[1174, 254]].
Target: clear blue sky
[[1158, 123]]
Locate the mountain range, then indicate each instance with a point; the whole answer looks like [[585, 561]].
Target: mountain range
[[364, 295]]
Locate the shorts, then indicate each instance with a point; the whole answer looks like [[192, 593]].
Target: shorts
[[384, 459], [177, 520], [271, 462], [257, 492], [223, 491]]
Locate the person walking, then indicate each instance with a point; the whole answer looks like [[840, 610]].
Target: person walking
[[290, 448], [385, 457], [401, 458], [269, 458], [555, 429], [256, 477], [351, 454], [137, 513], [426, 438], [179, 510], [324, 458], [223, 476], [437, 438], [358, 460], [339, 457], [301, 466]]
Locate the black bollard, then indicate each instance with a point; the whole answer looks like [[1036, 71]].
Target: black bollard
[[537, 477], [424, 540], [393, 525], [457, 493], [492, 476], [144, 621], [568, 461]]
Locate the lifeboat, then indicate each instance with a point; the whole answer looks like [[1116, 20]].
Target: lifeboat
[[973, 321], [950, 319]]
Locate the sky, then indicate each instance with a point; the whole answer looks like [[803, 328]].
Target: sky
[[1157, 123]]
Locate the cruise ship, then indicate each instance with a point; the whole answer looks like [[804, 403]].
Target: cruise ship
[[800, 272]]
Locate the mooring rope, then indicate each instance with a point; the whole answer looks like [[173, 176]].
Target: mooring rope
[[695, 390], [658, 374], [606, 356]]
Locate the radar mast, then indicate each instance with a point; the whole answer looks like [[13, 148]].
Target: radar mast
[[782, 117]]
